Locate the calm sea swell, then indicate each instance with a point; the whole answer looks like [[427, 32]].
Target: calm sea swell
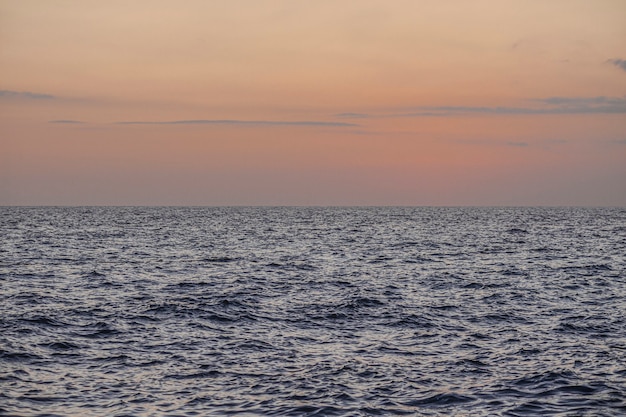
[[312, 311]]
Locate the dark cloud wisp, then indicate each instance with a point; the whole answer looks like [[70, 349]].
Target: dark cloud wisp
[[551, 105], [619, 63], [240, 123], [569, 102], [10, 94], [353, 115]]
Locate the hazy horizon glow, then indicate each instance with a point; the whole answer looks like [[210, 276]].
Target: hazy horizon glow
[[313, 103]]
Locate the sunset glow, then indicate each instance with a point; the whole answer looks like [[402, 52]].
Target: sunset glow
[[313, 103]]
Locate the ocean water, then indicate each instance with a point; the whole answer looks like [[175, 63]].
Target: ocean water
[[312, 311]]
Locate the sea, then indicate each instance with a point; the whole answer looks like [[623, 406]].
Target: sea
[[312, 311]]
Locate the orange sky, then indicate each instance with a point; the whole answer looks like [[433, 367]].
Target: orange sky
[[313, 103]]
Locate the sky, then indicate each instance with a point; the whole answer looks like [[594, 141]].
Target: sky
[[294, 102]]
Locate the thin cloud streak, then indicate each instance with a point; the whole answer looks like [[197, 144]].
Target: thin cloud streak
[[556, 106], [353, 115], [518, 144], [583, 101], [240, 123], [73, 122], [10, 94]]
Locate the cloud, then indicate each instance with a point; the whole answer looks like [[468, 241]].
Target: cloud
[[66, 122], [550, 105], [584, 105], [555, 105], [430, 111], [584, 101], [518, 144], [240, 123], [353, 115], [10, 94], [619, 63]]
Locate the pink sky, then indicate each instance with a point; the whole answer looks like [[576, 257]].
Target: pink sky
[[313, 103]]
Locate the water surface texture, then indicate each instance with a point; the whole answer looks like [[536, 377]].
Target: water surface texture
[[312, 311]]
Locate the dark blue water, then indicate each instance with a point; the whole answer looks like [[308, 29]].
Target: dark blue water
[[312, 311]]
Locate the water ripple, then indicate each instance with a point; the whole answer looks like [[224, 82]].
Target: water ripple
[[312, 311]]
